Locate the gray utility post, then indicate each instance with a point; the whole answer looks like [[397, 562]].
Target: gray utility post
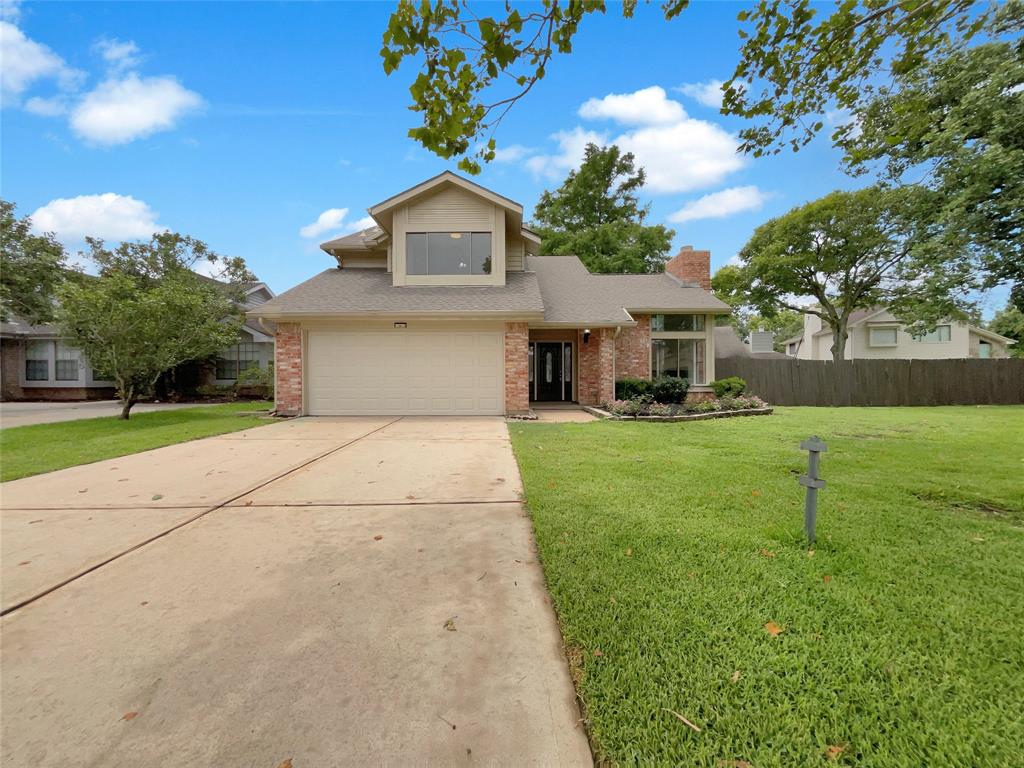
[[812, 483]]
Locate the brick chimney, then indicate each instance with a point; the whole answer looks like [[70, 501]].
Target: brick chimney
[[691, 267]]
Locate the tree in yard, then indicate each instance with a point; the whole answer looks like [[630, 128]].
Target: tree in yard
[[1009, 322], [148, 311], [475, 68], [597, 216], [955, 126], [850, 251], [31, 268]]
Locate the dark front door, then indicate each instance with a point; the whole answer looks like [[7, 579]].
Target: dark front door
[[549, 371]]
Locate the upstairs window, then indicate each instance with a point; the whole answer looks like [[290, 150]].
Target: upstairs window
[[448, 253], [677, 323]]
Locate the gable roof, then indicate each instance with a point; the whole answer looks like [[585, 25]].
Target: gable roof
[[575, 296], [445, 178], [363, 240]]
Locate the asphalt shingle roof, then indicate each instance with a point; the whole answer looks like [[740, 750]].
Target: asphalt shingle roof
[[348, 291]]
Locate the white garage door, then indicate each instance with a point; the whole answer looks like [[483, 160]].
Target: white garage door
[[404, 372]]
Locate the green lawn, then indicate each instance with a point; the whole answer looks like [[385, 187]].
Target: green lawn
[[668, 547], [41, 448]]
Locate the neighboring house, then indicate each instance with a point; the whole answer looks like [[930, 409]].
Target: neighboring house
[[36, 365], [877, 334], [443, 308], [728, 344]]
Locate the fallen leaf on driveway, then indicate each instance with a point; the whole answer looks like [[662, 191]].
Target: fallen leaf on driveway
[[378, 537], [24, 562], [735, 677], [84, 490], [129, 716], [33, 522], [286, 763], [450, 624], [683, 720], [410, 497], [834, 751], [773, 629], [157, 496]]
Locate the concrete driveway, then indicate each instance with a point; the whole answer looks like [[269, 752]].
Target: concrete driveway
[[17, 414], [325, 591]]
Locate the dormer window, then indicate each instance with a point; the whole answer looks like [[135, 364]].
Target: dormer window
[[448, 253]]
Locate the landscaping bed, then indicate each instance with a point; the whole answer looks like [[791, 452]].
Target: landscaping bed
[[684, 587], [665, 400]]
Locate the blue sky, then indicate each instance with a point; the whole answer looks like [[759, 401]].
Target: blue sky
[[243, 123]]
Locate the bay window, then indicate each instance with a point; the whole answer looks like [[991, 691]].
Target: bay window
[[448, 253]]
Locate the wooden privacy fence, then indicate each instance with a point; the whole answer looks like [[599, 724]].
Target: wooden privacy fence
[[879, 382]]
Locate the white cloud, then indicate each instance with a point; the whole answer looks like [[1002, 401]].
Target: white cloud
[[648, 106], [719, 205], [328, 220], [10, 10], [25, 62], [708, 93], [122, 110], [678, 157], [108, 216], [333, 220], [52, 107], [513, 153], [119, 54]]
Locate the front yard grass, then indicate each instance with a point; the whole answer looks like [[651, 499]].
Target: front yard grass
[[38, 448], [674, 551]]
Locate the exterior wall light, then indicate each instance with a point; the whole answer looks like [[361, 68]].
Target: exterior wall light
[[586, 335]]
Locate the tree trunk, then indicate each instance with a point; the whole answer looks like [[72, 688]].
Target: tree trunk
[[126, 406], [839, 338]]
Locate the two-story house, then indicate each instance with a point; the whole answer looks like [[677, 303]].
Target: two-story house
[[877, 334], [444, 307]]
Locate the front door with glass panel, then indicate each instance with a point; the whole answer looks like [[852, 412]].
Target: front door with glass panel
[[552, 371]]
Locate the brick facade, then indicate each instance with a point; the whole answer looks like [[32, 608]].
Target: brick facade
[[288, 369], [633, 350], [517, 368], [597, 367], [691, 267]]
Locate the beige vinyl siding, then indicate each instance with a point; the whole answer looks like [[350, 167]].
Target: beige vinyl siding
[[514, 255], [450, 210]]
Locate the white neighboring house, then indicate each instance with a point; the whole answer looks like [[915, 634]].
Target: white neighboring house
[[877, 334]]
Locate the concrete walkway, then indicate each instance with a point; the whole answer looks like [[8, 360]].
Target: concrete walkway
[[325, 591], [17, 414]]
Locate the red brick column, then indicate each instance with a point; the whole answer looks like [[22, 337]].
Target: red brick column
[[597, 367], [633, 350], [517, 368], [288, 369]]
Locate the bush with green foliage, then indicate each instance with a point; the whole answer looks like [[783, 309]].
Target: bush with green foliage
[[733, 386], [670, 389], [255, 381], [628, 388]]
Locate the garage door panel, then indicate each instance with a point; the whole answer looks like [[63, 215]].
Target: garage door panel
[[416, 373]]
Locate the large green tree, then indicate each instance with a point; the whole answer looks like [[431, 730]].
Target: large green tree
[[148, 310], [596, 215], [850, 251], [31, 268], [796, 60], [956, 125]]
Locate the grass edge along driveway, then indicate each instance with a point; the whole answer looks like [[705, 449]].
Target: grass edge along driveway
[[674, 556], [37, 448]]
